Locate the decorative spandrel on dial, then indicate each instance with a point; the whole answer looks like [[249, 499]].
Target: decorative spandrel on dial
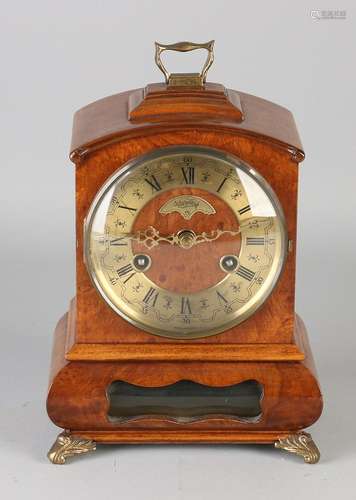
[[185, 242]]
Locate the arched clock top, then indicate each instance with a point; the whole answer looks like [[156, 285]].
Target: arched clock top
[[158, 108]]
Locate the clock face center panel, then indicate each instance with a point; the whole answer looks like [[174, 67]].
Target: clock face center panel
[[186, 266]]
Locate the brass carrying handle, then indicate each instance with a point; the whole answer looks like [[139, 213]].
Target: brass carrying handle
[[185, 47]]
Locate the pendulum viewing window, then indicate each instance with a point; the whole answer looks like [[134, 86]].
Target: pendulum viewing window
[[184, 401]]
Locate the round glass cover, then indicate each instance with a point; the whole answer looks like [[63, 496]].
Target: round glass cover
[[185, 242]]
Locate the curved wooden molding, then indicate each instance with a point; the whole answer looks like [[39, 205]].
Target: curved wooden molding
[[184, 352], [158, 103], [132, 114]]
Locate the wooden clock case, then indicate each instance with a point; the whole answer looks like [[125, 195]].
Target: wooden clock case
[[94, 346]]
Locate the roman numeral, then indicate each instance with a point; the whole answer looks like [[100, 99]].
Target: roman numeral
[[185, 306], [259, 240], [188, 174], [118, 242], [128, 208], [246, 273], [244, 209], [221, 184], [151, 296], [224, 302], [126, 270], [153, 182], [221, 297]]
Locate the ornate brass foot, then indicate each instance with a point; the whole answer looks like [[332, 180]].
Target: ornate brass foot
[[67, 445], [301, 444]]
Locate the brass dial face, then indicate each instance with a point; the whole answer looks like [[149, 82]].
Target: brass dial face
[[185, 242]]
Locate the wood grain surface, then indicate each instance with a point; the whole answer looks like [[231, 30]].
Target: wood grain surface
[[94, 346], [107, 121], [172, 266], [77, 394], [157, 103], [272, 323]]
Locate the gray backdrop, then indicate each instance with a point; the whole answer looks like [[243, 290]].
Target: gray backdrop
[[59, 56]]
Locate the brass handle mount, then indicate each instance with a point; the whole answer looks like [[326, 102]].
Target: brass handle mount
[[185, 79]]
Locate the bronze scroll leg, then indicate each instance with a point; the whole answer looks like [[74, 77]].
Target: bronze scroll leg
[[302, 444], [66, 445]]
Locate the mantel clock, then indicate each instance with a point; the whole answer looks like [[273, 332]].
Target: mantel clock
[[183, 328]]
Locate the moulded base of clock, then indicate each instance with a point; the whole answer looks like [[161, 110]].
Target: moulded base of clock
[[289, 402], [183, 328]]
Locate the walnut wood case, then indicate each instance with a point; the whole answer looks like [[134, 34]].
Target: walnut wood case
[[93, 346]]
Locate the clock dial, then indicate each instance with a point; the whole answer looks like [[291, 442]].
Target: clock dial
[[185, 242]]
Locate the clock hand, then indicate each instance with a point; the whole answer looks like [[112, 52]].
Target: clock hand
[[185, 238], [151, 237]]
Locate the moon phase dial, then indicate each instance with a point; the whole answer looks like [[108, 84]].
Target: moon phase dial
[[185, 242]]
